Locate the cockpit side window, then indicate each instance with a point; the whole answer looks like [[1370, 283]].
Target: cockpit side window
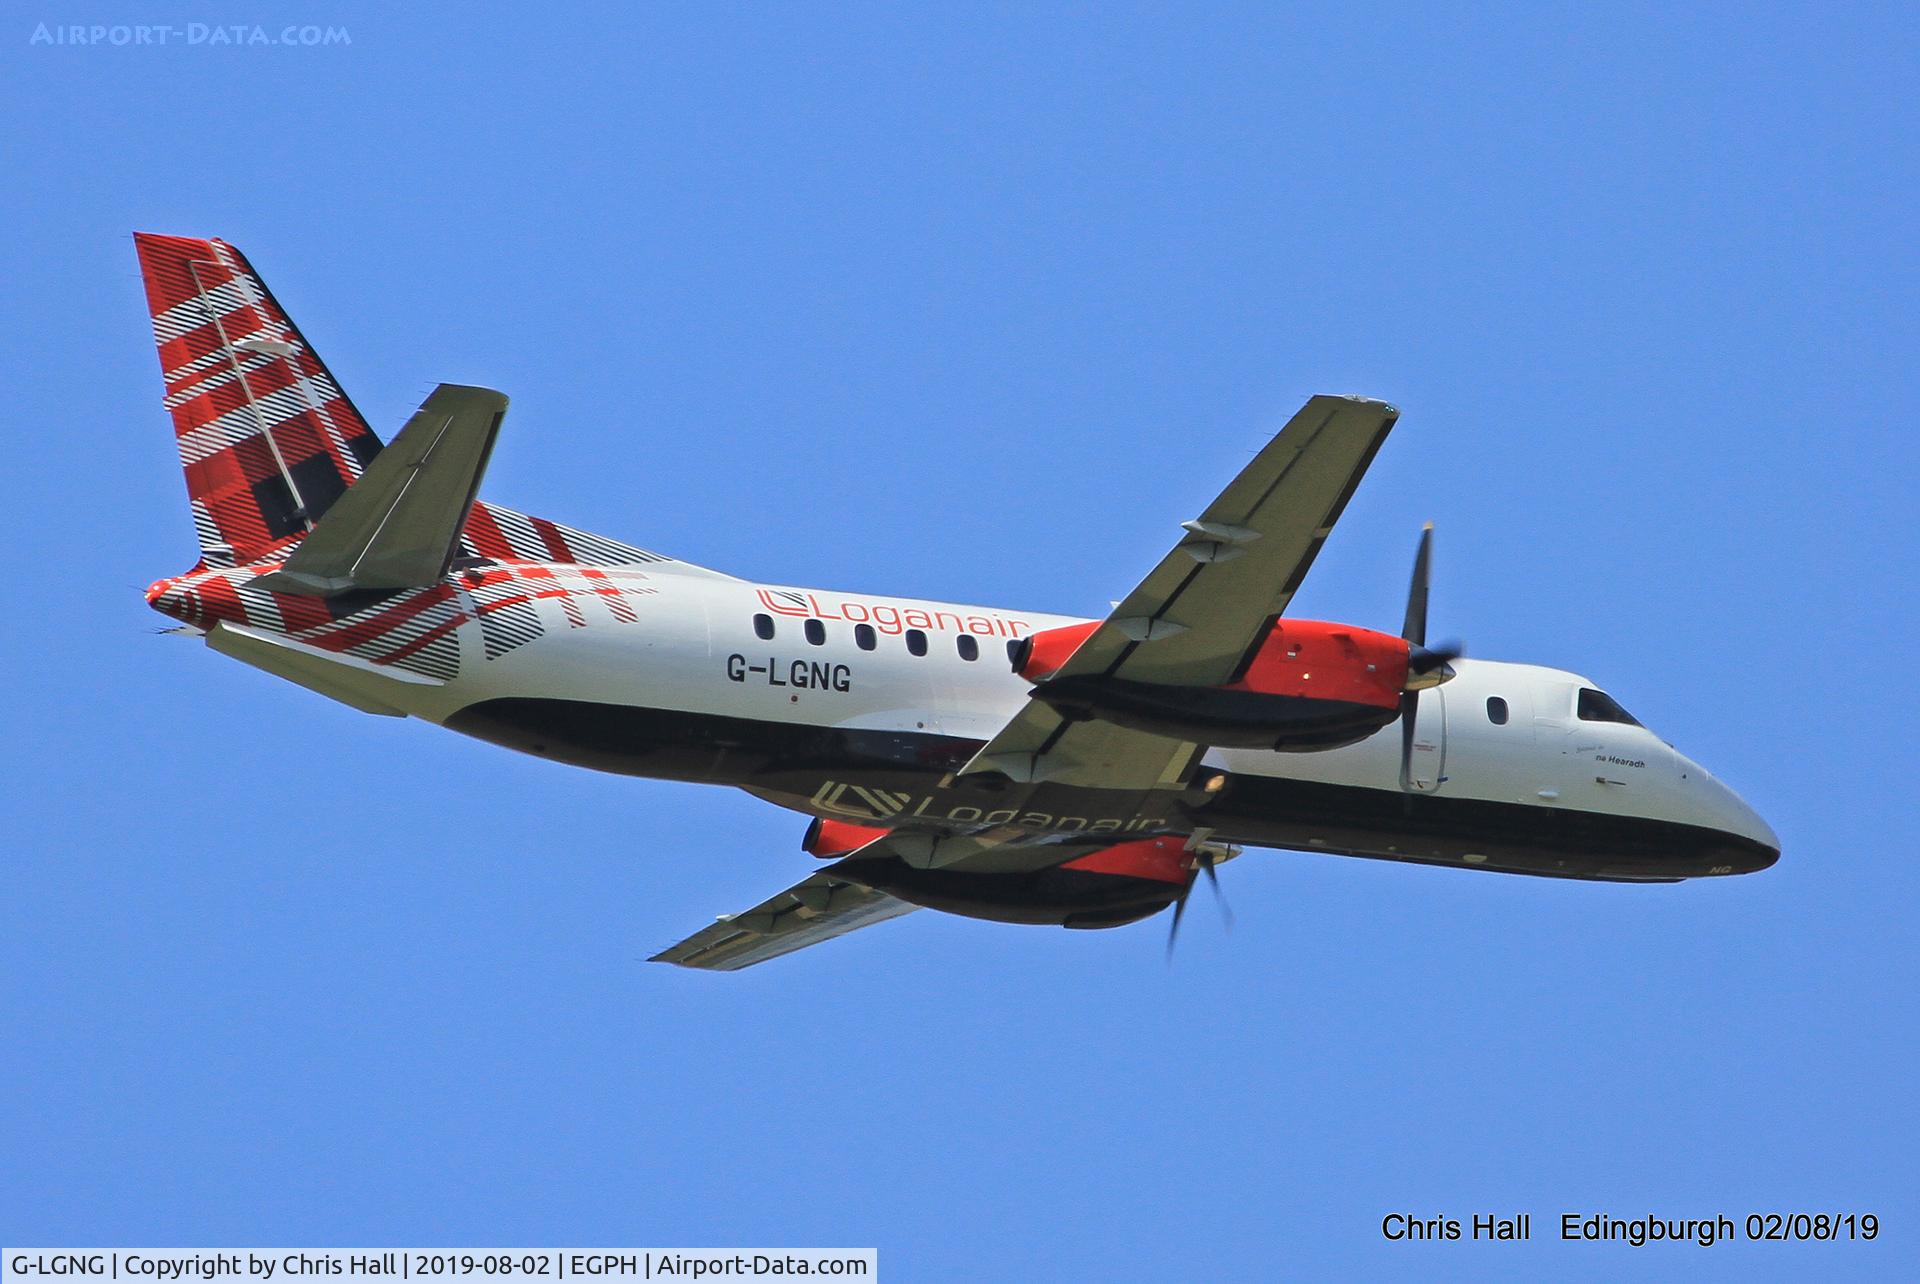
[[1598, 706], [1496, 711]]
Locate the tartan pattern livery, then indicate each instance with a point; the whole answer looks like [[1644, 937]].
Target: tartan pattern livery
[[507, 599], [269, 441], [266, 436], [502, 534], [419, 630]]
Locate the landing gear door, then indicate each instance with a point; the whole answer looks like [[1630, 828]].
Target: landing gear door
[[1426, 771]]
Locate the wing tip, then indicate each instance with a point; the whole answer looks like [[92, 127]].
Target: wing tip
[[1373, 403]]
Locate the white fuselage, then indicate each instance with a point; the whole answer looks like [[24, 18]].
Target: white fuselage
[[685, 686]]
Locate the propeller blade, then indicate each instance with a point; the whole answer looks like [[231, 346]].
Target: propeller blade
[[1213, 878], [1204, 861], [1415, 628], [1423, 660], [1427, 666], [1409, 710], [1179, 910]]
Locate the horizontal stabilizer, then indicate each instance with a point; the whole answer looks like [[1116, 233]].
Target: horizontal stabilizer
[[399, 525], [368, 687]]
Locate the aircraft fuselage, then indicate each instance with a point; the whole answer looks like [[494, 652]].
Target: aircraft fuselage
[[862, 708]]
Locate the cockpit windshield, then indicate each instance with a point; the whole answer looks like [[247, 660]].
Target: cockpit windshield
[[1598, 706]]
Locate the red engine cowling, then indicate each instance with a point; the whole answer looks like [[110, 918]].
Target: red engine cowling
[[1041, 655], [1322, 661], [827, 838], [1162, 859], [1308, 685]]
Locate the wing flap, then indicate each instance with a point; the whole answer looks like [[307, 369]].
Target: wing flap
[[1039, 745]]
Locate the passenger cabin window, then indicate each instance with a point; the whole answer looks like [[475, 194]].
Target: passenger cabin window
[[1598, 706], [1496, 711], [969, 646], [916, 642], [763, 627], [863, 636], [816, 632]]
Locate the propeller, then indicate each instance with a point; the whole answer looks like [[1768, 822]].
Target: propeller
[[1205, 858], [1426, 666]]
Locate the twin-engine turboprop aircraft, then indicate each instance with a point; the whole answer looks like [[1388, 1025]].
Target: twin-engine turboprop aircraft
[[998, 764]]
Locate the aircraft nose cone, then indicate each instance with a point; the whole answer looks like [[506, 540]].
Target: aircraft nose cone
[[1759, 830], [1749, 842], [1759, 844]]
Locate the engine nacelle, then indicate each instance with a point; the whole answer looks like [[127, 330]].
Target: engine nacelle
[[827, 838], [1309, 685], [1108, 888], [1040, 655]]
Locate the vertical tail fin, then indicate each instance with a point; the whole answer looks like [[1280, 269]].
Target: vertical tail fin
[[267, 438]]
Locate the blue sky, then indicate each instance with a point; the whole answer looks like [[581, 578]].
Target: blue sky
[[979, 306]]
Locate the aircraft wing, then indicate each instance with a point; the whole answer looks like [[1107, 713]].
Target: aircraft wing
[[815, 909], [1195, 617], [837, 900]]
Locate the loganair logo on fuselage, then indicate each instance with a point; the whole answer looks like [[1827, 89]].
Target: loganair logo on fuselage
[[888, 618], [858, 800], [838, 798]]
